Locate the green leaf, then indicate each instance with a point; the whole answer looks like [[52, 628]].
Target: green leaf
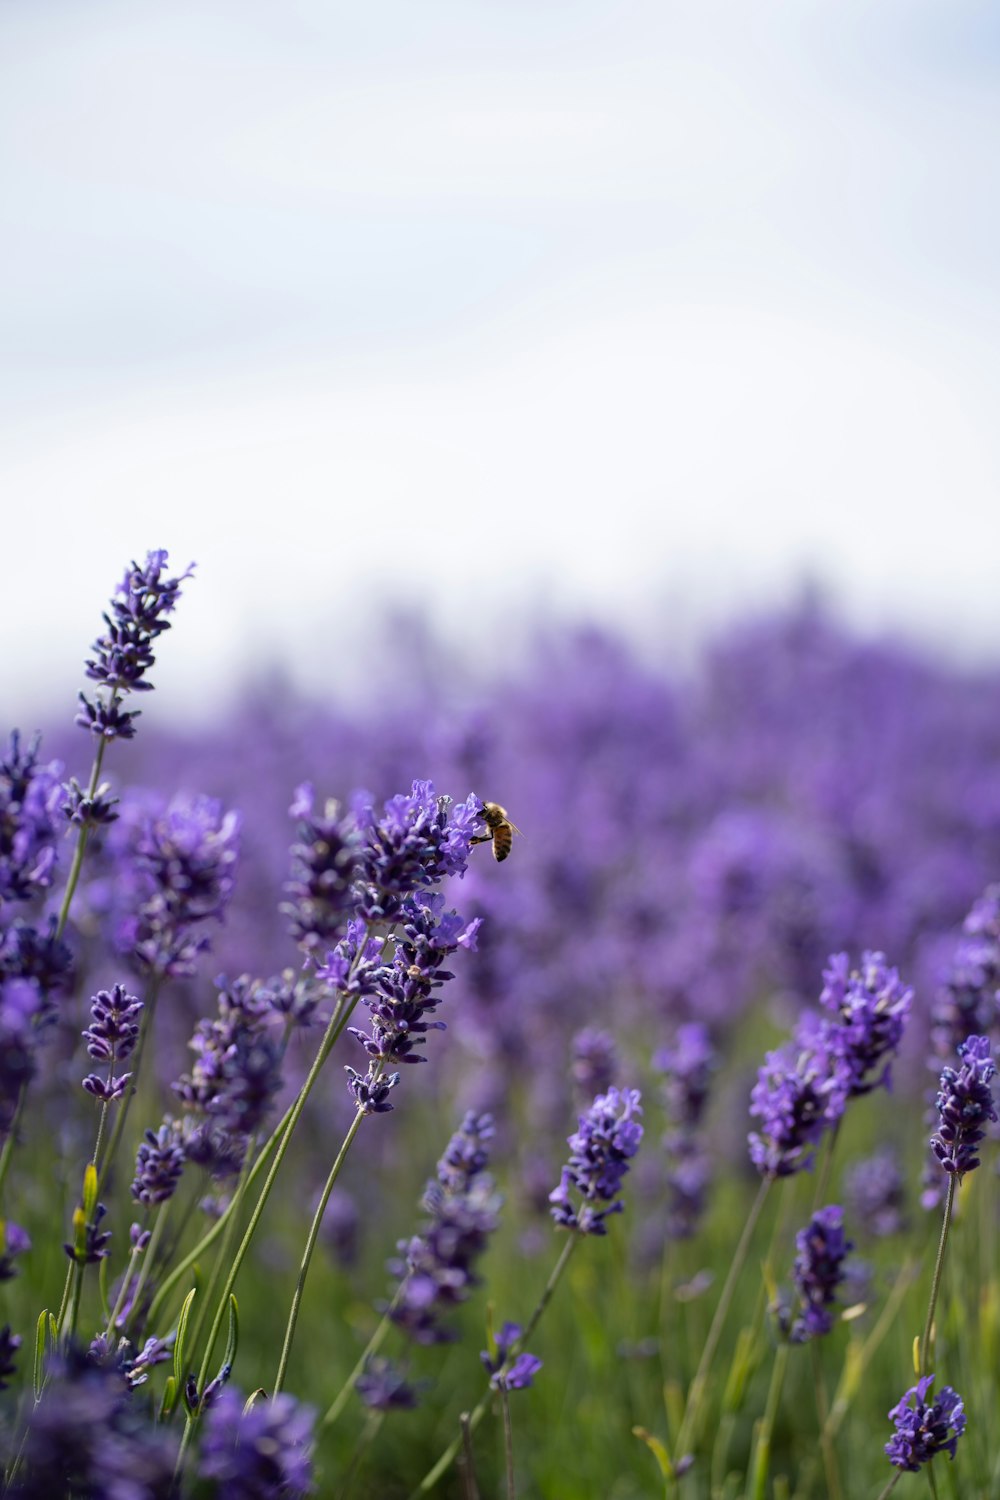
[[182, 1323], [90, 1190], [232, 1342], [40, 1332], [657, 1448], [258, 1395], [169, 1397]]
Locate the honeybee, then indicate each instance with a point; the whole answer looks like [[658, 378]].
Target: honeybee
[[502, 830]]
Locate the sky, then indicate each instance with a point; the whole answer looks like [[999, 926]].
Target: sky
[[648, 313]]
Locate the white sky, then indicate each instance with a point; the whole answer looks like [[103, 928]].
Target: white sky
[[643, 311]]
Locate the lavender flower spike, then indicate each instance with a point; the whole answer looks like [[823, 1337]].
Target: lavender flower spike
[[259, 1453], [871, 1004], [922, 1430], [508, 1374], [600, 1152], [965, 1104], [822, 1249], [801, 1091]]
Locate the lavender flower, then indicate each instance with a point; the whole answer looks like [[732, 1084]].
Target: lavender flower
[[687, 1067], [509, 1373], [417, 841], [595, 1061], [875, 1189], [123, 654], [325, 862], [14, 1241], [95, 1243], [437, 1264], [600, 1151], [801, 1091], [258, 1454], [384, 1388], [236, 1075], [922, 1430], [819, 1270], [965, 1104], [111, 1038], [21, 1007], [871, 1005], [967, 1003], [176, 868], [29, 799], [159, 1163]]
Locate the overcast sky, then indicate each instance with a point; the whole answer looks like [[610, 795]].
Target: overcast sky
[[640, 311]]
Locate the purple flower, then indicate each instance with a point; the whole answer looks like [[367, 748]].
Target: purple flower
[[384, 1388], [96, 1243], [418, 840], [595, 1061], [687, 1067], [175, 872], [14, 1241], [600, 1151], [510, 1371], [159, 1163], [111, 1038], [871, 1005], [801, 1090], [260, 1454], [922, 1430], [875, 1189], [123, 654], [968, 1000], [819, 1270], [965, 1104], [437, 1264], [29, 822], [324, 871], [20, 1009], [237, 1072]]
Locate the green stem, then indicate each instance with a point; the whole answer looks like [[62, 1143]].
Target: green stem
[[925, 1342], [692, 1412], [830, 1466], [449, 1455], [373, 1345], [145, 1028], [232, 1222], [884, 1494], [825, 1166], [310, 1246], [762, 1456], [127, 1277], [81, 842], [147, 1265], [508, 1444]]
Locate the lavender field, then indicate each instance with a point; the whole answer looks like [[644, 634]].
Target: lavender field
[[693, 1192]]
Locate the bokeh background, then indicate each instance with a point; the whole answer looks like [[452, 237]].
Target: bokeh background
[[642, 312]]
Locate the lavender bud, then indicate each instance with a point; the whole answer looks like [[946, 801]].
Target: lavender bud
[[600, 1151], [384, 1388], [923, 1430], [819, 1271], [260, 1453], [965, 1104]]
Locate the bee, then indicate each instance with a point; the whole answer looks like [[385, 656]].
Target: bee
[[501, 829]]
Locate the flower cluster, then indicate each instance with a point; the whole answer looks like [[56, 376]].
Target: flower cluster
[[123, 654], [111, 1038], [417, 841], [175, 867], [965, 1104], [382, 1387], [687, 1069], [924, 1429], [876, 1193], [871, 1005], [436, 1265], [594, 1061], [29, 803], [259, 1451], [968, 1003], [325, 860], [819, 1270], [510, 1370], [801, 1091], [601, 1149]]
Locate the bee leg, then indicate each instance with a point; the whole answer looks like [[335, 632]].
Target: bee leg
[[481, 838]]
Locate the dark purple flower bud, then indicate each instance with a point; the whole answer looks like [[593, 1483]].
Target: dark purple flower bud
[[9, 1345], [819, 1270], [871, 1005], [29, 802], [384, 1388], [115, 1028], [159, 1163], [924, 1430], [34, 953], [876, 1192], [595, 1061], [294, 997], [258, 1454], [14, 1241], [965, 1104], [801, 1090], [107, 1089], [437, 1265], [600, 1151], [138, 1237]]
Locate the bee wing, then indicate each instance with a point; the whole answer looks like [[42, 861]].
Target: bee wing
[[514, 828]]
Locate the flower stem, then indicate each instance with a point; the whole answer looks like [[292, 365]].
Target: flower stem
[[925, 1342], [449, 1455], [762, 1454], [373, 1345], [145, 1027], [884, 1494], [692, 1411], [310, 1246], [508, 1444]]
